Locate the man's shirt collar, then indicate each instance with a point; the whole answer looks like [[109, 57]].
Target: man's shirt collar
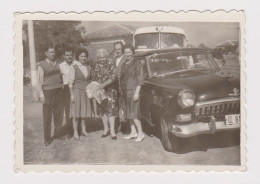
[[49, 61], [65, 63]]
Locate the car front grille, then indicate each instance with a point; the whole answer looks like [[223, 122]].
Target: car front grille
[[218, 108]]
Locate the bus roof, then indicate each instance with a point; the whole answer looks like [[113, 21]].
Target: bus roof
[[163, 29]]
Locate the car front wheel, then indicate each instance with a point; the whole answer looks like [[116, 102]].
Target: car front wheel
[[170, 142]]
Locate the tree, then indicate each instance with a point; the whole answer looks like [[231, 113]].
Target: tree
[[58, 33]]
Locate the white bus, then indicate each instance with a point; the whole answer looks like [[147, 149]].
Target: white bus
[[158, 37]]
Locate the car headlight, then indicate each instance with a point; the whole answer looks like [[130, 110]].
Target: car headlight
[[186, 98]]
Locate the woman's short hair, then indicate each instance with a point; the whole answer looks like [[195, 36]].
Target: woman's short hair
[[129, 46], [79, 52], [102, 52]]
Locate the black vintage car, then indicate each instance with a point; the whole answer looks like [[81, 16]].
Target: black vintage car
[[184, 95]]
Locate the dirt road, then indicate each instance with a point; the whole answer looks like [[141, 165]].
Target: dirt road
[[92, 149]]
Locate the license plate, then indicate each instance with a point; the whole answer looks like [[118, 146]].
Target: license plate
[[232, 119]]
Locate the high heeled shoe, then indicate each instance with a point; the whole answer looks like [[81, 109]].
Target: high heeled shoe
[[139, 139], [105, 135], [114, 137], [84, 133], [131, 136], [76, 138]]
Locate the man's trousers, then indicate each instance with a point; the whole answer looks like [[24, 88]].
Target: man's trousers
[[53, 106]]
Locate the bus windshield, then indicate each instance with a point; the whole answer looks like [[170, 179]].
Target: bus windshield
[[147, 41], [172, 40], [151, 40]]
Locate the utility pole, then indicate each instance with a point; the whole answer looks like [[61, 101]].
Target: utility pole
[[34, 80]]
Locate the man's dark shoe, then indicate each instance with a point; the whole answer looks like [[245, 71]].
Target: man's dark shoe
[[47, 143], [69, 136], [61, 138]]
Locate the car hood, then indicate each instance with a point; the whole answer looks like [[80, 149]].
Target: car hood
[[206, 86]]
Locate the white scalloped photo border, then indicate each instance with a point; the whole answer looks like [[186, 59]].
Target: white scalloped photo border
[[148, 16]]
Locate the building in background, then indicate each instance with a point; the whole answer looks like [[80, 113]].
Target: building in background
[[104, 38]]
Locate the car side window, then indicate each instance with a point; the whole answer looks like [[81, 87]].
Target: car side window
[[203, 60], [197, 60]]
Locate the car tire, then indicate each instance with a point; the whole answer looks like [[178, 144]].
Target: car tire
[[170, 142]]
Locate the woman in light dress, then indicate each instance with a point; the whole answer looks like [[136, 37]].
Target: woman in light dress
[[80, 104]]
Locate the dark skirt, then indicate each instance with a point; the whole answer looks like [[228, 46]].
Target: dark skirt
[[81, 107], [109, 106], [130, 107]]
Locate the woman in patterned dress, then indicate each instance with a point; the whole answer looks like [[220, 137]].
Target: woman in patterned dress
[[104, 73], [80, 105]]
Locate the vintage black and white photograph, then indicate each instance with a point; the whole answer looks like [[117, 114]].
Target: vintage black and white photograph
[[139, 92]]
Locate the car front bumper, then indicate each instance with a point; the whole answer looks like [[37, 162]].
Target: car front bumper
[[192, 129]]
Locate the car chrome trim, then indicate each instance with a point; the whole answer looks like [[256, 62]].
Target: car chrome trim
[[217, 107], [183, 117], [198, 128], [229, 99]]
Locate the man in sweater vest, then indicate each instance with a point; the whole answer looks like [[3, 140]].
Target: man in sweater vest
[[50, 93]]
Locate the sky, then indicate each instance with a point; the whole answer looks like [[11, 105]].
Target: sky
[[209, 33]]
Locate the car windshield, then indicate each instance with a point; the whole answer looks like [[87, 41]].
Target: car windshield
[[172, 40], [147, 41], [171, 62]]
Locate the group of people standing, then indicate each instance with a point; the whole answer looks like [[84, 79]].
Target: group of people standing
[[62, 88]]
